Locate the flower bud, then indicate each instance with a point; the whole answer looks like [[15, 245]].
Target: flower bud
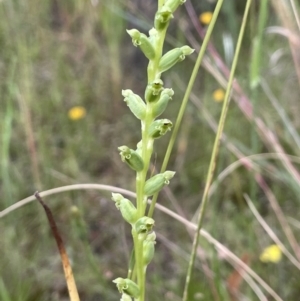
[[127, 209], [174, 56], [148, 248], [162, 18], [127, 286], [141, 40], [162, 103], [135, 35], [153, 90], [144, 225], [156, 183], [131, 157], [135, 104], [159, 128]]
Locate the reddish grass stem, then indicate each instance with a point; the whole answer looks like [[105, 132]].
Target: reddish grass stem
[[73, 293]]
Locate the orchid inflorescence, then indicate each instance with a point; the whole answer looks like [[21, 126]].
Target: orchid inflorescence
[[147, 109]]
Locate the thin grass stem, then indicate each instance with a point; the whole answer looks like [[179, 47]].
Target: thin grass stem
[[280, 216], [215, 152], [255, 78], [281, 112]]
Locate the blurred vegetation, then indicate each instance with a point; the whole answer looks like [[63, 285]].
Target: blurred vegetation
[[55, 55]]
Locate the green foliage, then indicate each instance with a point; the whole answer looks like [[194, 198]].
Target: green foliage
[[57, 55]]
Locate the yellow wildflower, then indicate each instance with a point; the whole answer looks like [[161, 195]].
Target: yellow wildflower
[[218, 95], [205, 17], [271, 254], [77, 113]]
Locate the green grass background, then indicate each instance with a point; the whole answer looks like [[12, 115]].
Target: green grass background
[[58, 54]]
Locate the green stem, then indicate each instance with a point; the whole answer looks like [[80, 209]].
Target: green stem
[[147, 149], [255, 71], [131, 265], [138, 248], [147, 142], [212, 164], [152, 69]]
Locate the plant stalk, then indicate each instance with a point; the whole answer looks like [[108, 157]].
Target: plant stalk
[[147, 149]]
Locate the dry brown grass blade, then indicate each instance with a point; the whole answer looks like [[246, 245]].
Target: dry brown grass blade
[[235, 279], [72, 288]]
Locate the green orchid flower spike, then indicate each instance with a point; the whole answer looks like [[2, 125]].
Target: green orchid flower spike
[[147, 108]]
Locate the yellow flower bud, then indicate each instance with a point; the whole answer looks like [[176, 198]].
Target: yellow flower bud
[[218, 95], [77, 113], [205, 17], [271, 254]]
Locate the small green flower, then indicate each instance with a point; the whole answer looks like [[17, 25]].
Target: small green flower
[[174, 56], [135, 35], [160, 106], [148, 248], [131, 157], [127, 209], [141, 40], [159, 128], [127, 286], [156, 183], [153, 90], [135, 103], [144, 225], [162, 18]]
